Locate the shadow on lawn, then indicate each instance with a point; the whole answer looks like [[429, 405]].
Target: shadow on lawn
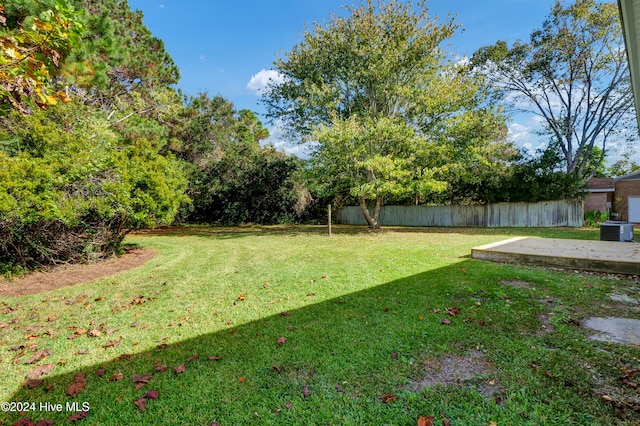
[[342, 353]]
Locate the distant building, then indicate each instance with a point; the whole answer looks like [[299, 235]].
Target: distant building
[[600, 196], [626, 201]]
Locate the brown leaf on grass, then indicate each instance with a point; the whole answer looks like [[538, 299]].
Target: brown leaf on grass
[[281, 341], [32, 383], [112, 343], [213, 358], [140, 403], [95, 332], [285, 314], [45, 422], [290, 327], [82, 352], [142, 379], [24, 422], [181, 368], [305, 392], [453, 311], [241, 298], [277, 368], [151, 394], [387, 398], [7, 309], [78, 416], [446, 422], [40, 356], [100, 372], [426, 421], [288, 404], [445, 322], [78, 384], [161, 368], [193, 357], [116, 377], [242, 379], [39, 371]]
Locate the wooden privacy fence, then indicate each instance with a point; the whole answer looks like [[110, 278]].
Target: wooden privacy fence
[[543, 214]]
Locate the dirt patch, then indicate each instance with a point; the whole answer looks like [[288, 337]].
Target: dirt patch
[[64, 276], [520, 284], [546, 326], [458, 370]]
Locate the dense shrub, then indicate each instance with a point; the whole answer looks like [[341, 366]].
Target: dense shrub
[[71, 187]]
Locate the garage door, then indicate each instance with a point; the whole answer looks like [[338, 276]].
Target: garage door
[[634, 209]]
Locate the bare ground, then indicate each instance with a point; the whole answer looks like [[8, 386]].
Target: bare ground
[[64, 276]]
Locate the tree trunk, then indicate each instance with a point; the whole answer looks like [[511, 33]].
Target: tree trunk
[[371, 220]]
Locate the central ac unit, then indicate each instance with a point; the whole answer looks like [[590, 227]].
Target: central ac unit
[[616, 231]]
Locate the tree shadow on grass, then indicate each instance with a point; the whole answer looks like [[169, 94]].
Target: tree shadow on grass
[[330, 362]]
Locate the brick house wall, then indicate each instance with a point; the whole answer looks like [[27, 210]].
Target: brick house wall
[[624, 189], [598, 201]]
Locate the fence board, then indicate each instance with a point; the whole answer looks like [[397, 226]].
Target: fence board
[[543, 214]]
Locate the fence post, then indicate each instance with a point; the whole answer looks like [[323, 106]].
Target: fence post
[[329, 216]]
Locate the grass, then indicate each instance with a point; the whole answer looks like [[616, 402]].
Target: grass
[[361, 316]]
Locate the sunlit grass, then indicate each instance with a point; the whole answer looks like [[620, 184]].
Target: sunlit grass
[[361, 316]]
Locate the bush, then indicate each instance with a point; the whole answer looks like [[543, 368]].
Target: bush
[[71, 188]]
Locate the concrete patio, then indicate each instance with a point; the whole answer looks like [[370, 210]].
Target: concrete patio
[[601, 256]]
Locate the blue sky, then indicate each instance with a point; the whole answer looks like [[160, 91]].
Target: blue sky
[[219, 45]]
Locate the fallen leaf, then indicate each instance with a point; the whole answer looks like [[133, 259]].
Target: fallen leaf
[[290, 327], [141, 379], [213, 358], [426, 421], [40, 370], [33, 383], [453, 311], [94, 333], [242, 379], [445, 322], [151, 394], [77, 416], [100, 372], [82, 352], [193, 357], [285, 314], [45, 422], [288, 404], [78, 384], [276, 368], [161, 368], [140, 403], [305, 391], [281, 341], [387, 398], [446, 422], [112, 343], [181, 368], [40, 356], [241, 298], [116, 377]]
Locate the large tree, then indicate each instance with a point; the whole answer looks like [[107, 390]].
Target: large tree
[[573, 74], [382, 102]]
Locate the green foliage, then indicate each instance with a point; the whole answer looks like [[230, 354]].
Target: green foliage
[[573, 74], [593, 218], [35, 38], [232, 180], [72, 187], [386, 109]]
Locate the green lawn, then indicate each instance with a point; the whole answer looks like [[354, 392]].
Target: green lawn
[[284, 325]]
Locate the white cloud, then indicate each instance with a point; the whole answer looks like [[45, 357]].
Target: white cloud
[[161, 6], [278, 141], [261, 82]]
